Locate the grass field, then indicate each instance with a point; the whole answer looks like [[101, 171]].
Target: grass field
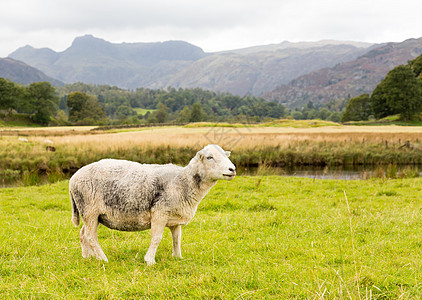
[[252, 238]]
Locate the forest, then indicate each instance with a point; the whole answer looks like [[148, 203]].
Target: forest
[[87, 104]]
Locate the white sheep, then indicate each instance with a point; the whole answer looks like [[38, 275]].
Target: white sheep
[[129, 196]]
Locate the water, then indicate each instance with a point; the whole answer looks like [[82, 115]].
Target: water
[[343, 172]]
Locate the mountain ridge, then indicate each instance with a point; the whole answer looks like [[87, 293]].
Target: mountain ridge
[[347, 79], [22, 73], [180, 64], [290, 73]]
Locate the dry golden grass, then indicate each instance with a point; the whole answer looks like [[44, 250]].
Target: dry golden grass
[[230, 138], [253, 146]]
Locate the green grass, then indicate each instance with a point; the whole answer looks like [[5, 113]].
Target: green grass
[[390, 120], [17, 120], [275, 123], [143, 111], [254, 237]]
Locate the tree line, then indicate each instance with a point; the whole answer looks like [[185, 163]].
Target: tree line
[[38, 99], [87, 104], [399, 93], [172, 105]]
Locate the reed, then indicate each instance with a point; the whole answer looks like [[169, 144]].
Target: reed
[[253, 146]]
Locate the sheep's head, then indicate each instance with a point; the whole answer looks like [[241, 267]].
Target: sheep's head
[[214, 163]]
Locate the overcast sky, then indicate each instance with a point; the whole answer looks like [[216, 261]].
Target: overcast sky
[[213, 25]]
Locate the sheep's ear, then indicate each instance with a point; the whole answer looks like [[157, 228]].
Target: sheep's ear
[[200, 155], [227, 153]]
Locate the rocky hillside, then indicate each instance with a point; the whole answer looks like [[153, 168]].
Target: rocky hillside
[[127, 65], [252, 70], [256, 72], [20, 72], [348, 79]]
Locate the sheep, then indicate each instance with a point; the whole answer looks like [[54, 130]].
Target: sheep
[[129, 196]]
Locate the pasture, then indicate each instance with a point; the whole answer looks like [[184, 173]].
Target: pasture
[[264, 237]]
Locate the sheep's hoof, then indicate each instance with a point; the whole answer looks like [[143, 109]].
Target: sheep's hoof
[[178, 256], [104, 259], [150, 262]]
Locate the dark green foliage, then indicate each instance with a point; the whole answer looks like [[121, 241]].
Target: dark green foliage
[[39, 99], [161, 114], [84, 109], [184, 115], [8, 94], [358, 109], [331, 111], [43, 101], [416, 65], [214, 106], [197, 113], [124, 111], [398, 93]]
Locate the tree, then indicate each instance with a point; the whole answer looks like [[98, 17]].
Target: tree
[[84, 109], [61, 118], [197, 113], [124, 111], [43, 101], [416, 65], [358, 109], [161, 114], [398, 93], [324, 113], [297, 115], [184, 115], [8, 95]]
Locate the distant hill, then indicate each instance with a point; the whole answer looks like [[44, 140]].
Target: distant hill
[[20, 72], [127, 65], [260, 69], [348, 79], [179, 64]]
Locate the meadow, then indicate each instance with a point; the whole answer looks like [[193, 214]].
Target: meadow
[[283, 143], [259, 237]]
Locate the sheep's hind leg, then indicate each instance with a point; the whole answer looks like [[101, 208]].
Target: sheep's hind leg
[[176, 232], [91, 240], [84, 243]]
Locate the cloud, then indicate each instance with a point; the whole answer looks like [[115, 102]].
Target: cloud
[[213, 25], [78, 15]]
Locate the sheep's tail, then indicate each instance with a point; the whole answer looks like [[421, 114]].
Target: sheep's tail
[[75, 211]]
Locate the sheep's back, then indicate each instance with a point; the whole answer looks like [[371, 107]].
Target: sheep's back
[[121, 185]]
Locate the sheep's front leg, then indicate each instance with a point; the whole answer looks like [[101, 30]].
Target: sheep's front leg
[[176, 232], [157, 229]]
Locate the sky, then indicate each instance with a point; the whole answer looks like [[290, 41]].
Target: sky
[[213, 25]]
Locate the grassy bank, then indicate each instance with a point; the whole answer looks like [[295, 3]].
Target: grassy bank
[[254, 237], [31, 161]]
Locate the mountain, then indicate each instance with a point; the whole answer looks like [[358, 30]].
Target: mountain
[[297, 45], [348, 79], [260, 69], [20, 72], [253, 70], [127, 65]]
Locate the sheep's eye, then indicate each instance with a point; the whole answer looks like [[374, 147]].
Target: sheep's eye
[[210, 157]]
